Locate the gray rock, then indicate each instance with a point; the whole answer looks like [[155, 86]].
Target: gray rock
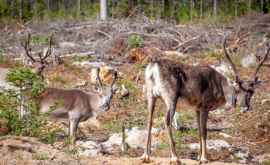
[[248, 61], [242, 155], [135, 138], [225, 135], [67, 45], [88, 148], [3, 83], [124, 91], [211, 144]]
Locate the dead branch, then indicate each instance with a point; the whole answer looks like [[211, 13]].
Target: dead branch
[[105, 34], [187, 42]]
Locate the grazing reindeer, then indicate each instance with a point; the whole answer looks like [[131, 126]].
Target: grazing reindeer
[[41, 63], [201, 86], [75, 105]]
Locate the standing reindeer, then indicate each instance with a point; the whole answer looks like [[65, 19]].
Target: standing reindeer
[[72, 105], [200, 86], [75, 105]]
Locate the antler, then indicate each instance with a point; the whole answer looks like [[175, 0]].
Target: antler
[[98, 79], [114, 79], [49, 50], [229, 58], [26, 46], [237, 77], [261, 63]]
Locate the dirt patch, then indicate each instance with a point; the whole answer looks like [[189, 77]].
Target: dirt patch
[[26, 150]]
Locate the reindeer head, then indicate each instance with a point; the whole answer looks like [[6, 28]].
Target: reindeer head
[[245, 89], [38, 64], [107, 94]]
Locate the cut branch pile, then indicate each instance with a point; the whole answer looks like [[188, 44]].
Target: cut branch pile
[[110, 39]]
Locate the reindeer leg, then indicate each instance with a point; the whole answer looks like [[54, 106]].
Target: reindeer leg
[[69, 128], [151, 106], [72, 129], [200, 134], [168, 124], [203, 123]]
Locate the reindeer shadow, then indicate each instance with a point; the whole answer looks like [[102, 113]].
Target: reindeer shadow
[[188, 128]]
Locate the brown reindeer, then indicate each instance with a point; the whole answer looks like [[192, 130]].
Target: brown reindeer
[[201, 86], [72, 105], [75, 105]]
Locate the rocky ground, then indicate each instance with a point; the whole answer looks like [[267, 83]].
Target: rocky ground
[[25, 150], [234, 137]]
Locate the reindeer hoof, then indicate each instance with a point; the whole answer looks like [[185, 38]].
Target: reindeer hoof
[[145, 158], [175, 161]]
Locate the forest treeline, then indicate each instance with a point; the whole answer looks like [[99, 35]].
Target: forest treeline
[[173, 10]]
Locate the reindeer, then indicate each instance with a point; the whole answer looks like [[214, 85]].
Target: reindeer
[[200, 86], [69, 104], [75, 105], [38, 64]]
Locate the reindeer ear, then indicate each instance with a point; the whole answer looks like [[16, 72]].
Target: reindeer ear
[[114, 88], [257, 81], [98, 89]]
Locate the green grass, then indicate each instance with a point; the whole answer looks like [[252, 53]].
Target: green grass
[[59, 79], [71, 151], [178, 136], [131, 87], [135, 118], [266, 162], [139, 66], [163, 145], [208, 55], [40, 156], [1, 56], [113, 126], [81, 58], [39, 39], [133, 90]]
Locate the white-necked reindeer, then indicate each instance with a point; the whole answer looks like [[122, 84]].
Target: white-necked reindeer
[[201, 86], [75, 105], [72, 105]]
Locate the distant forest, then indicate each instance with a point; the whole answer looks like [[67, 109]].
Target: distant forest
[[171, 10]]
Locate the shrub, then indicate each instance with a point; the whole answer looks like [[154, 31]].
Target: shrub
[[135, 41], [120, 10], [34, 124], [26, 80]]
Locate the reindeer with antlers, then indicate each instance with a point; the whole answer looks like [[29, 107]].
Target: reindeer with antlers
[[200, 86]]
